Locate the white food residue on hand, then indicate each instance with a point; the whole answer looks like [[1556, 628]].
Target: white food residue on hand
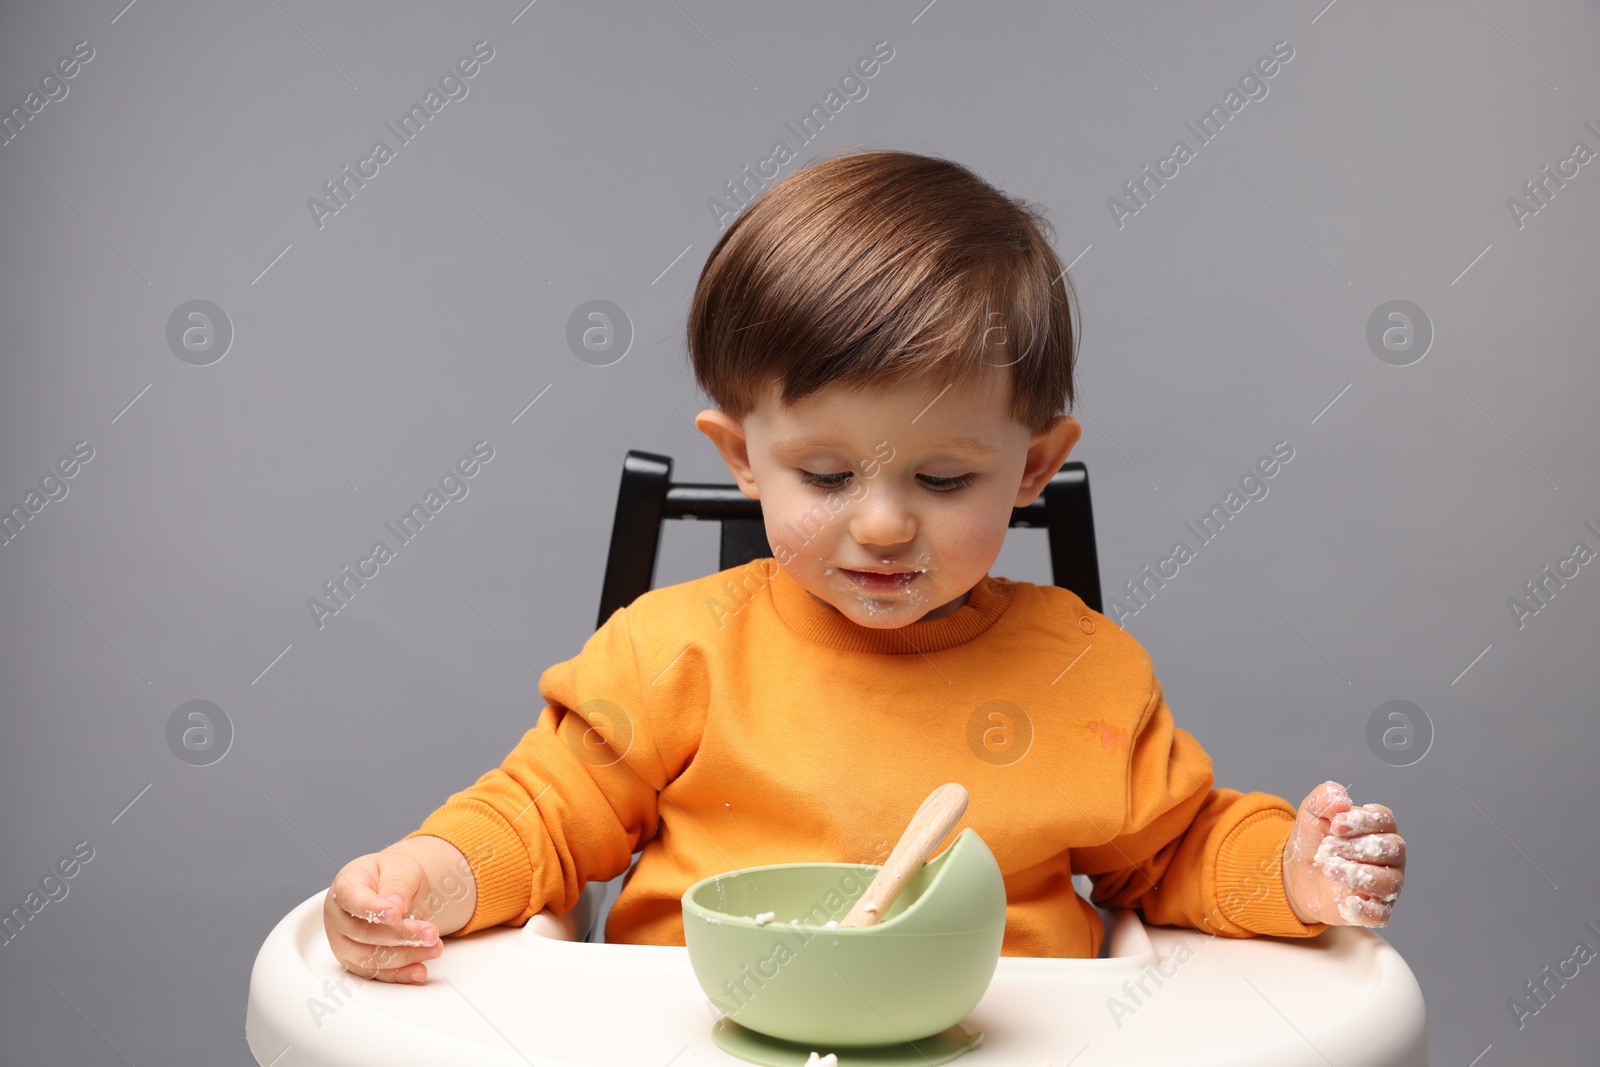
[[765, 917], [830, 1060], [1359, 820], [1369, 848], [1350, 911], [1349, 872]]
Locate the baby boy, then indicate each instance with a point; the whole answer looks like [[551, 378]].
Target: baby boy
[[889, 346]]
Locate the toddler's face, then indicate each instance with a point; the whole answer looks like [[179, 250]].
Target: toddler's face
[[870, 481]]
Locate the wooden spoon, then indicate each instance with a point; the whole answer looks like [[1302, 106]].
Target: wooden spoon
[[933, 820]]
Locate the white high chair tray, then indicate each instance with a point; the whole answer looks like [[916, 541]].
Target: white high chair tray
[[533, 996]]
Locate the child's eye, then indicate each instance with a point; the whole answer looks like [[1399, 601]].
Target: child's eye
[[836, 481], [824, 481]]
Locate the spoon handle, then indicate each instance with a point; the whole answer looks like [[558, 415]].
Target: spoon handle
[[934, 819]]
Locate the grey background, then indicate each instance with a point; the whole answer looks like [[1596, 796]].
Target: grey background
[[1228, 314]]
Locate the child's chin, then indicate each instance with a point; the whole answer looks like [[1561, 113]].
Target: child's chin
[[887, 614], [878, 622]]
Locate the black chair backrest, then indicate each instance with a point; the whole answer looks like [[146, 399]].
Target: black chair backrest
[[648, 496]]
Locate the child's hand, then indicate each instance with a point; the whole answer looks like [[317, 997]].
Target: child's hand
[[364, 918], [1344, 864]]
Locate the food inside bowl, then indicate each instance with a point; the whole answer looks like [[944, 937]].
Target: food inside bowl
[[914, 974]]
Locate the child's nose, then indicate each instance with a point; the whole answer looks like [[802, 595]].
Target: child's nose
[[882, 522]]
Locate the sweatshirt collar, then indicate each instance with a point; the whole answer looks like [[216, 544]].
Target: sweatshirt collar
[[825, 625]]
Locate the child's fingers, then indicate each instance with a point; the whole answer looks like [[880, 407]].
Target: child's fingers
[[415, 974], [380, 887], [411, 932], [1357, 910], [358, 913], [408, 932], [1381, 883], [400, 882], [1326, 800], [1364, 819], [366, 921], [1388, 850], [1311, 822], [355, 891], [384, 963]]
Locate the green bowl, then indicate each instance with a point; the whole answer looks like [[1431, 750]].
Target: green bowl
[[913, 975]]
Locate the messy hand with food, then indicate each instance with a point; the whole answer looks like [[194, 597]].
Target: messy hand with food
[[1344, 863], [383, 915]]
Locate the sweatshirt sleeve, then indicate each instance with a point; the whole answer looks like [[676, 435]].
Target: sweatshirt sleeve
[[1187, 854], [576, 797]]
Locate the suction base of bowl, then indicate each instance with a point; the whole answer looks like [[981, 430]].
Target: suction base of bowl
[[755, 1047]]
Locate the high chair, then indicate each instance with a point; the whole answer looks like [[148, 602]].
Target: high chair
[[553, 994]]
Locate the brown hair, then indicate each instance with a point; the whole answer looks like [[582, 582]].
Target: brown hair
[[882, 266]]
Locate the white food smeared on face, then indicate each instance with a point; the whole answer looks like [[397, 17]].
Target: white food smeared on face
[[911, 601]]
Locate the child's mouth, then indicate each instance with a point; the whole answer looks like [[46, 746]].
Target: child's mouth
[[881, 583]]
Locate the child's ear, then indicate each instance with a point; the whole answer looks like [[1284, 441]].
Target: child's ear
[[727, 434], [1046, 454]]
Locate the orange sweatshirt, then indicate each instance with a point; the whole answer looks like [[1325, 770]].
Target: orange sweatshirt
[[735, 721]]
